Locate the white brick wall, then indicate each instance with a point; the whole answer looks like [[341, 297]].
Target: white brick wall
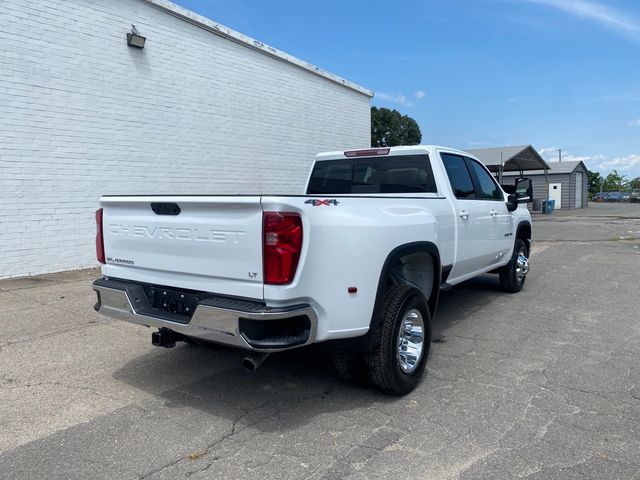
[[82, 114]]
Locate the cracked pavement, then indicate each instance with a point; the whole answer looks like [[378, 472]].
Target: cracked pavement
[[542, 384]]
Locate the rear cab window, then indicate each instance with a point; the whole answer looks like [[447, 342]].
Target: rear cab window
[[373, 175]]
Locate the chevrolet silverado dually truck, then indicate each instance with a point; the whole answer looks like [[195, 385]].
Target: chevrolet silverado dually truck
[[358, 261]]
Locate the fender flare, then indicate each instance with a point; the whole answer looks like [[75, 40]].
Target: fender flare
[[365, 342], [521, 225]]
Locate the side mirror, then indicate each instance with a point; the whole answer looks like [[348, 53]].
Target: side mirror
[[524, 190], [512, 203]]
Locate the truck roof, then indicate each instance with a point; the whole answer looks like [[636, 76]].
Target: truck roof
[[384, 151]]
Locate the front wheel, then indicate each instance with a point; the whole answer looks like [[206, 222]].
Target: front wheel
[[401, 341], [513, 275]]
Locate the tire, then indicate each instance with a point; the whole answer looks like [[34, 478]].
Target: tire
[[350, 366], [512, 277], [385, 365]]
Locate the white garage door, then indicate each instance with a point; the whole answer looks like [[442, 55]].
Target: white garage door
[[578, 189]]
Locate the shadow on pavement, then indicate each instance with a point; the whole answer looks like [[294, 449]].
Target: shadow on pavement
[[286, 380]]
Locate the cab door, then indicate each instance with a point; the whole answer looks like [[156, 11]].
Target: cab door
[[473, 219], [494, 209]]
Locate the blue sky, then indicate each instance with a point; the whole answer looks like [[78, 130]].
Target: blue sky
[[475, 73]]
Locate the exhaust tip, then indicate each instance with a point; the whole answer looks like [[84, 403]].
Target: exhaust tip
[[248, 365], [253, 361]]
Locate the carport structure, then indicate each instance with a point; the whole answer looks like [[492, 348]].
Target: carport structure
[[510, 159]]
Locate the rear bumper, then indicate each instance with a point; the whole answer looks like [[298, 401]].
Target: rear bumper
[[238, 323]]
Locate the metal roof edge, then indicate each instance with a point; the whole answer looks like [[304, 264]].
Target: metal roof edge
[[576, 163], [538, 155], [226, 32], [552, 171]]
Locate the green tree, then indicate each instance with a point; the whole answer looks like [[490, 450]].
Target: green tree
[[635, 183], [390, 128], [615, 181], [594, 182]]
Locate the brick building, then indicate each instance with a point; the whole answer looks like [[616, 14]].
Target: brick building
[[199, 109]]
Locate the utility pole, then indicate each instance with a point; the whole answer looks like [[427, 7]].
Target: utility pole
[[559, 155]]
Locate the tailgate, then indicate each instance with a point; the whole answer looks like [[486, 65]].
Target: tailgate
[[206, 243]]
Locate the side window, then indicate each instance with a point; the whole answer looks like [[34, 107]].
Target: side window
[[459, 176], [489, 189]]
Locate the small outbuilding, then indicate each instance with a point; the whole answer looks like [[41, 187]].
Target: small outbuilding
[[510, 159], [567, 183]]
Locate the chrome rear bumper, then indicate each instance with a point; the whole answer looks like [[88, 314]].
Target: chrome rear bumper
[[215, 319]]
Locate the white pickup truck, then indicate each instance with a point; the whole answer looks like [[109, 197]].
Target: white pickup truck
[[359, 260]]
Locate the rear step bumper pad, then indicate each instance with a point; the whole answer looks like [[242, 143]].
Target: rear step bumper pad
[[216, 319]]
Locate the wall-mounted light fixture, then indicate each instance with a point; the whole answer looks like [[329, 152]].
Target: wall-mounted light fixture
[[134, 39]]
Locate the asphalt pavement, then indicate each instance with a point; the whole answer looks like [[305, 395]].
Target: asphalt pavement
[[542, 384]]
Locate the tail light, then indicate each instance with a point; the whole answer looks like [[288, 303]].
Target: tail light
[[99, 237], [281, 245]]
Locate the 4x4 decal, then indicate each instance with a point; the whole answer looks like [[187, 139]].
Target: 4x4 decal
[[316, 202]]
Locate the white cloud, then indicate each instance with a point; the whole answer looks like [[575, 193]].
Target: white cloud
[[608, 17], [400, 98], [545, 151], [628, 164], [635, 123], [397, 98], [550, 154], [576, 158], [624, 164]]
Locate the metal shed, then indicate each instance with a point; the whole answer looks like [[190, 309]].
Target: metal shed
[[568, 183], [510, 159]]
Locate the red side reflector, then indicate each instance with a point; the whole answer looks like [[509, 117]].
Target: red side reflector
[[281, 246], [371, 152], [99, 237]]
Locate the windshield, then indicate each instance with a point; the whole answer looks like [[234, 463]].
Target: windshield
[[395, 174]]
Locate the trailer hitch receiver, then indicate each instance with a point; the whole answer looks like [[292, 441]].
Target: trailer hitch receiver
[[166, 338]]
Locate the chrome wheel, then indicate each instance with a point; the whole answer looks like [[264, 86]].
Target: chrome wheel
[[522, 265], [411, 341]]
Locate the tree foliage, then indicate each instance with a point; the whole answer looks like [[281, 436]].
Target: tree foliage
[[390, 128], [615, 181], [595, 179]]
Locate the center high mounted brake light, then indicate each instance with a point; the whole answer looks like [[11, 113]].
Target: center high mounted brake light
[[371, 152]]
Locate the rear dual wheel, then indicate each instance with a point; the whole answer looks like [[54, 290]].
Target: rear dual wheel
[[401, 343]]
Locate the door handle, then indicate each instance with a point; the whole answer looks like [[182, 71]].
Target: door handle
[[493, 213], [463, 214]]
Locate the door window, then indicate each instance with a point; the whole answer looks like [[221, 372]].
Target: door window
[[488, 187], [459, 176]]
